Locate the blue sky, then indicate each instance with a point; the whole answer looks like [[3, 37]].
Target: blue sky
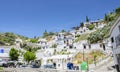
[[32, 17]]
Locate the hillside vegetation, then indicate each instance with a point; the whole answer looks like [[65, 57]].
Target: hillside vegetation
[[89, 57], [102, 33], [9, 38]]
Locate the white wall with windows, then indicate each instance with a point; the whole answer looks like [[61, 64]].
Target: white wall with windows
[[115, 40]]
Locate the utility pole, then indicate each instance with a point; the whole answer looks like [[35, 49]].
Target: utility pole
[[83, 54], [84, 47]]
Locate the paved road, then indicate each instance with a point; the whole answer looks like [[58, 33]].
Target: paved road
[[104, 68], [35, 70]]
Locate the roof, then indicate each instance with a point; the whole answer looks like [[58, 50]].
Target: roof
[[59, 57], [4, 55], [18, 39], [42, 39], [115, 22]]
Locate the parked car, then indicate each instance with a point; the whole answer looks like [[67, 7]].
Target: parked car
[[36, 66], [49, 66], [5, 65], [2, 62], [11, 64]]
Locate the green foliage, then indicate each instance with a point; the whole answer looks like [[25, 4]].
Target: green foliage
[[9, 38], [2, 43], [33, 40], [91, 27], [1, 68], [76, 28], [99, 35], [21, 52], [109, 17], [81, 37], [64, 52], [96, 54], [103, 33], [87, 19], [77, 35], [29, 56], [30, 49], [40, 62], [82, 24], [106, 17], [13, 54], [46, 34], [63, 31], [54, 46], [117, 11], [51, 33], [22, 37]]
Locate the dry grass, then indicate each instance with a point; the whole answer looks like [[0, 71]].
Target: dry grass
[[88, 57]]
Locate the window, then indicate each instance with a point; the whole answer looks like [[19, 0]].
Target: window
[[58, 65], [64, 41], [119, 28], [112, 40], [64, 46], [89, 46], [100, 45], [104, 47], [84, 46]]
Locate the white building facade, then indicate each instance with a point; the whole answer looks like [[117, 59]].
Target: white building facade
[[115, 40]]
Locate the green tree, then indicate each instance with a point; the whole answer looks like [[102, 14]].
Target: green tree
[[63, 31], [109, 17], [51, 33], [99, 35], [87, 19], [33, 40], [82, 24], [45, 34], [13, 54], [54, 46], [106, 18], [76, 28], [31, 49], [117, 10], [91, 27], [28, 48], [29, 56]]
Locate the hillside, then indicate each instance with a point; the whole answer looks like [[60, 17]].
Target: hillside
[[101, 33], [9, 38]]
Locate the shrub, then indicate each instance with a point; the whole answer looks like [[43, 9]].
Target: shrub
[[117, 10], [91, 27], [13, 54], [33, 40], [29, 56]]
